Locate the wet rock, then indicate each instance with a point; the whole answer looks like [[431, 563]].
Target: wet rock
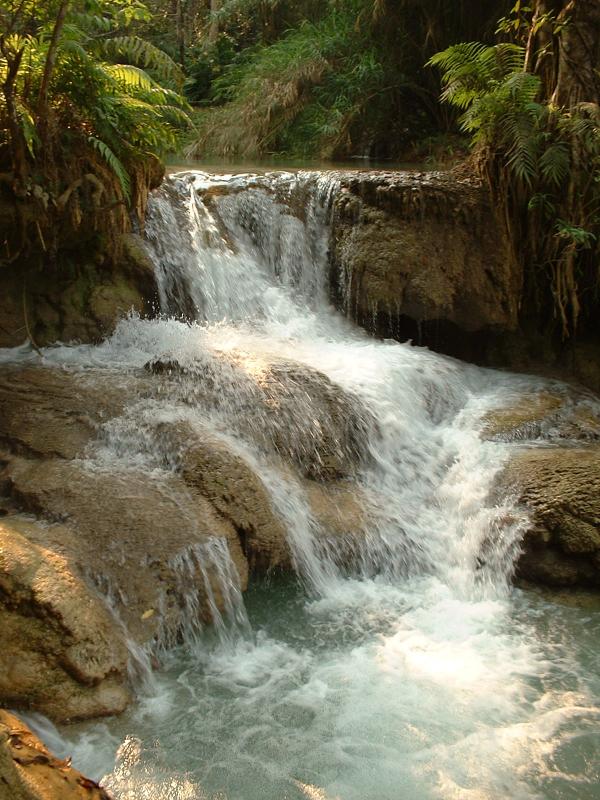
[[554, 472], [165, 367], [61, 651], [340, 509], [230, 480], [288, 409], [117, 557], [561, 488], [238, 493], [134, 553], [50, 412], [111, 559], [422, 256], [560, 414], [28, 771], [128, 531], [81, 300], [313, 422], [524, 419], [235, 488]]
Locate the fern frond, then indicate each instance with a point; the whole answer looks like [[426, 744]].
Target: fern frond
[[145, 54], [113, 162], [88, 21], [522, 142], [174, 116], [523, 87], [555, 162], [129, 76], [28, 127], [508, 58]]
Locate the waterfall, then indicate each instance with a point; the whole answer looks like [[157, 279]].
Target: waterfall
[[244, 258], [396, 661], [218, 244]]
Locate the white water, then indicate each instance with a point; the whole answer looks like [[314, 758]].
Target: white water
[[413, 672]]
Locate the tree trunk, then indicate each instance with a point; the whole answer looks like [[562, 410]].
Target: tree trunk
[[540, 48], [51, 60], [267, 23], [578, 54], [18, 146], [180, 14], [213, 30], [565, 50]]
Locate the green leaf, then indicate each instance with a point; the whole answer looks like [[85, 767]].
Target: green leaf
[[114, 163]]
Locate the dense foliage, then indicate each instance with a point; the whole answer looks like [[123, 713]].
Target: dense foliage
[[339, 79], [535, 125], [86, 109]]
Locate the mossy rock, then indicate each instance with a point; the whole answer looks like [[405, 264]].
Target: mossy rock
[[109, 302], [77, 300]]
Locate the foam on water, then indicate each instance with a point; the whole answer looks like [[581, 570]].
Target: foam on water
[[412, 672]]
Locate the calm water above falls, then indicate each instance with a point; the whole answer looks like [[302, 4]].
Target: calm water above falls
[[414, 672]]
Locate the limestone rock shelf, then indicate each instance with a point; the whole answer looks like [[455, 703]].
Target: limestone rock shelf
[[102, 563], [554, 472]]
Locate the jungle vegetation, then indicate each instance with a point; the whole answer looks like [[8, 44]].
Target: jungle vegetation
[[95, 92], [334, 79], [531, 105], [87, 108]]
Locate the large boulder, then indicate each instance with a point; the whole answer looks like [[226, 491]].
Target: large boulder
[[61, 652], [554, 472], [561, 489], [136, 554], [130, 547], [422, 256]]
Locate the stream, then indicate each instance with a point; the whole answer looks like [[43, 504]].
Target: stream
[[400, 666]]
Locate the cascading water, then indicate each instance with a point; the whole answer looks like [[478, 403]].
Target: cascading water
[[401, 666]]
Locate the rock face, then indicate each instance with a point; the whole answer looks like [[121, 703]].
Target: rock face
[[555, 473], [60, 647], [421, 255], [28, 771], [111, 541], [118, 527], [562, 489], [83, 301]]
